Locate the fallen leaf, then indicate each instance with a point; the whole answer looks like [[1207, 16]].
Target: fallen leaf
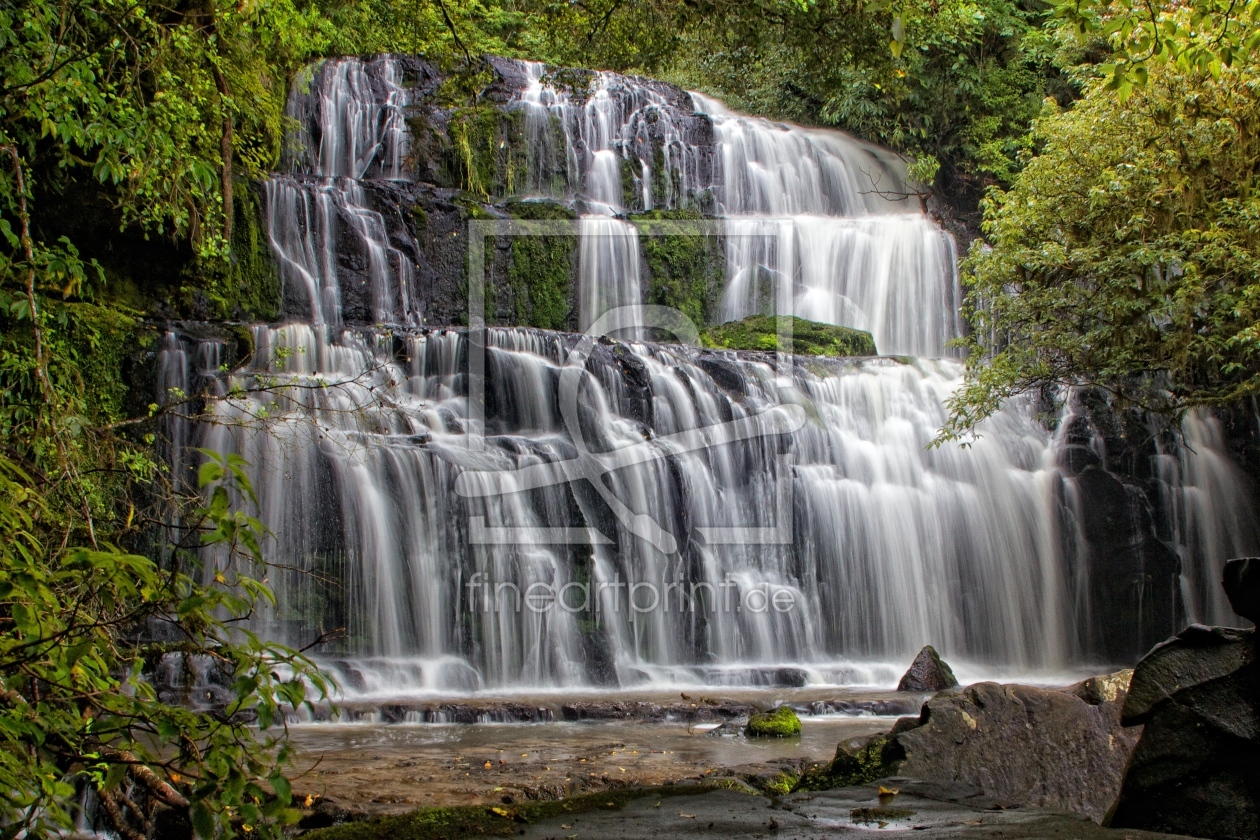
[[502, 812], [686, 816]]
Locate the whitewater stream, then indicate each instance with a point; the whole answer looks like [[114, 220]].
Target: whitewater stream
[[606, 516]]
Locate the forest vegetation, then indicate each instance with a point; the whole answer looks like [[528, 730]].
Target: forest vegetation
[[1108, 153]]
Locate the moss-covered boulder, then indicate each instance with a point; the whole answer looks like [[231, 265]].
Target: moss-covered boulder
[[777, 723], [542, 270], [685, 262], [852, 765], [790, 335]]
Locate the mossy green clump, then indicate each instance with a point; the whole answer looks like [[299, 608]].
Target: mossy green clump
[[100, 341], [499, 821], [781, 784], [806, 338], [487, 152], [540, 274], [685, 269], [849, 769], [247, 285], [777, 723]]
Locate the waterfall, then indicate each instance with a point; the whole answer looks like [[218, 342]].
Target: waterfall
[[838, 221], [641, 513], [350, 129]]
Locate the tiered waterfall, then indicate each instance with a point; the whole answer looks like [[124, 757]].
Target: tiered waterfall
[[380, 502]]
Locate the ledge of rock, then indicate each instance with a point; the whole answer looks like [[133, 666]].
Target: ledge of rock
[[1023, 746], [928, 672], [1196, 769], [1242, 585]]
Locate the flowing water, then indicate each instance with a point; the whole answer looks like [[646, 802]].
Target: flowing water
[[652, 514]]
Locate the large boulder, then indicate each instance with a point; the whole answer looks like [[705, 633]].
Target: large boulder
[[928, 672], [1242, 585], [1023, 746], [1196, 769]]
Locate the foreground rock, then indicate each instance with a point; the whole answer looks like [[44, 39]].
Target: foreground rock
[[777, 723], [934, 812], [1023, 746], [1242, 585], [928, 672], [1197, 767]]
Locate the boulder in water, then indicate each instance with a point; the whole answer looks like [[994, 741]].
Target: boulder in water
[[858, 761], [777, 723], [1023, 746], [1242, 585], [928, 672], [1196, 769]]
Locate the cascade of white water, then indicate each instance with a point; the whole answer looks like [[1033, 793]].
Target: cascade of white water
[[351, 128], [1194, 480], [837, 220], [431, 548]]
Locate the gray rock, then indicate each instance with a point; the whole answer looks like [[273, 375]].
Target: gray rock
[[928, 672], [1197, 767], [1242, 585], [1196, 655], [1022, 746]]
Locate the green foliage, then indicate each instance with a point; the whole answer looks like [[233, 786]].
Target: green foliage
[[1125, 256], [1203, 36], [850, 769], [541, 271], [958, 82], [246, 285], [808, 338], [685, 269], [776, 723], [73, 706]]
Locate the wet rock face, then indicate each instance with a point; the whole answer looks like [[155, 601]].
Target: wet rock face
[[1197, 768], [928, 672], [1023, 746], [1242, 585]]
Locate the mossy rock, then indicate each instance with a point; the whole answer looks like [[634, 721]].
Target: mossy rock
[[246, 286], [807, 338], [100, 342], [685, 270], [777, 723], [848, 769], [542, 269]]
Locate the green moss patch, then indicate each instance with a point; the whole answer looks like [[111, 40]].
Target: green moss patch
[[247, 285], [540, 274], [777, 723], [498, 821], [685, 270], [849, 769], [807, 338], [485, 151], [101, 340]]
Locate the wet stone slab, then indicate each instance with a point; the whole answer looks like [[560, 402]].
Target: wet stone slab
[[920, 810]]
